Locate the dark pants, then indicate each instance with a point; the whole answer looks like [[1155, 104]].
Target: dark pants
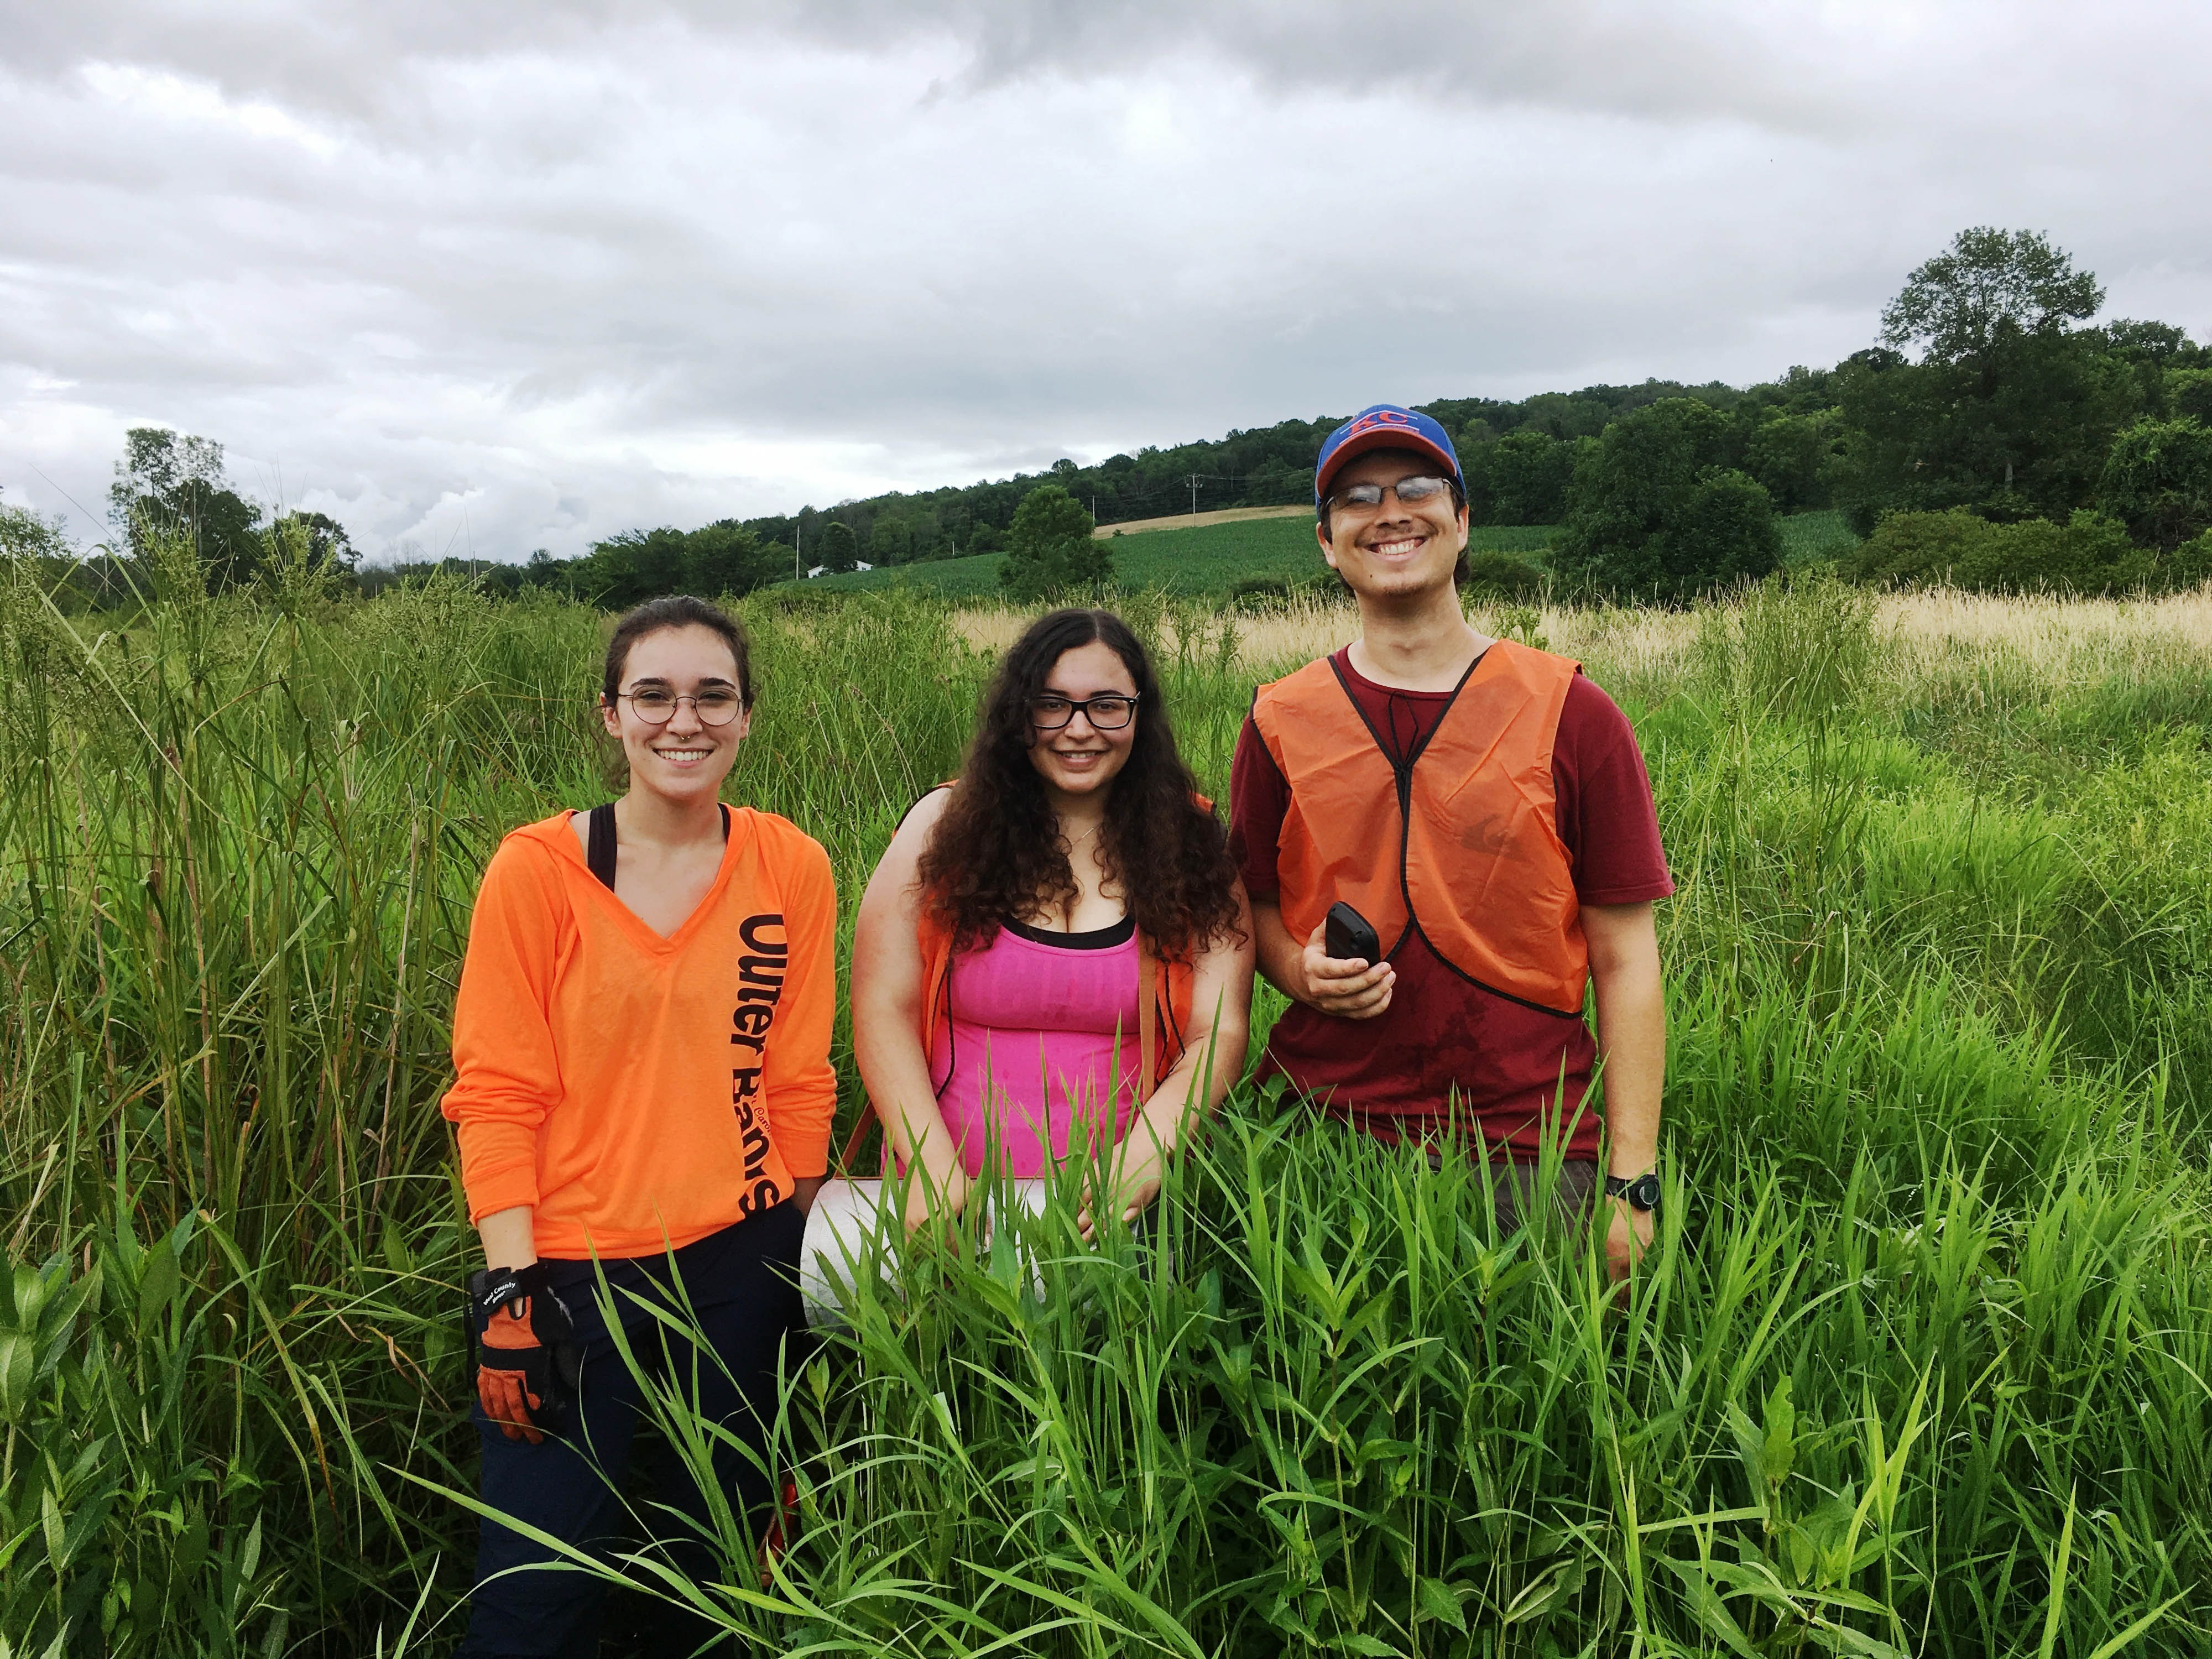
[[742, 1286], [1513, 1191]]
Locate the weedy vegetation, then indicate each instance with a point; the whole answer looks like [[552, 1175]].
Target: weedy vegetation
[[1920, 1364]]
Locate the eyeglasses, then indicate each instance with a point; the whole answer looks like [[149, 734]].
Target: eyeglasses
[[1410, 492], [656, 705], [1109, 711]]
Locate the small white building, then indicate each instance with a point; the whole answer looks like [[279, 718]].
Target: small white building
[[818, 569]]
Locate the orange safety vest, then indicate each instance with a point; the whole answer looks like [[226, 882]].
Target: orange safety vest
[[1461, 844]]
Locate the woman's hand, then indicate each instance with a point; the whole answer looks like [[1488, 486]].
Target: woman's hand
[[943, 1192], [1135, 1185]]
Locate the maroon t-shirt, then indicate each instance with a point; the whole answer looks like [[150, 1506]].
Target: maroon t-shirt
[[1444, 1041]]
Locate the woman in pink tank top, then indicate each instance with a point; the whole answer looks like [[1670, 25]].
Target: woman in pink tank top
[[1040, 1051], [1054, 953]]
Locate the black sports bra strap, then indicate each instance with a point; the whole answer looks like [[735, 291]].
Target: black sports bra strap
[[599, 844], [599, 841]]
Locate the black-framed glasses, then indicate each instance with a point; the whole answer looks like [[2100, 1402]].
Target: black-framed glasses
[[656, 705], [1410, 492], [1109, 711]]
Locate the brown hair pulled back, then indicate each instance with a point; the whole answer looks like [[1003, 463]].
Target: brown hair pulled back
[[676, 610], [994, 854]]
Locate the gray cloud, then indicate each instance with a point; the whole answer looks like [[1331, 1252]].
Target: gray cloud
[[497, 280]]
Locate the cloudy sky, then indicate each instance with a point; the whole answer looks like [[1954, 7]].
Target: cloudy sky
[[479, 279]]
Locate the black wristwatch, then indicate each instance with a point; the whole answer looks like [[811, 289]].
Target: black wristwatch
[[1642, 1193]]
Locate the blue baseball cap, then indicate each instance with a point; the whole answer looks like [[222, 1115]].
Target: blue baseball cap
[[1383, 426]]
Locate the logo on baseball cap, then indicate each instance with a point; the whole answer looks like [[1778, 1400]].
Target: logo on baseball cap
[[1383, 426]]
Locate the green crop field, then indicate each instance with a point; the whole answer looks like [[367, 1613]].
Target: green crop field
[[1922, 1364], [1811, 537], [1208, 560]]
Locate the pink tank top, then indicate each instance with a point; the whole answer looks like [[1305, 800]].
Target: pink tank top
[[1042, 1039]]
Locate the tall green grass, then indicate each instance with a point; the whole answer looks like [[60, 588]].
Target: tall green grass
[[1920, 1365]]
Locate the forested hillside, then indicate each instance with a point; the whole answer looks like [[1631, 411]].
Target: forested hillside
[[1993, 401]]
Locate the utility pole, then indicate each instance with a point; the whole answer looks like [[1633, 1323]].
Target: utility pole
[[798, 564], [1194, 494]]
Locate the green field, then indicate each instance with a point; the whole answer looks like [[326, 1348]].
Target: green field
[[1811, 537], [1920, 1366], [1209, 560]]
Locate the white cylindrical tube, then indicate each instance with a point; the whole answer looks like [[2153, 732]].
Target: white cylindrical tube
[[846, 1231]]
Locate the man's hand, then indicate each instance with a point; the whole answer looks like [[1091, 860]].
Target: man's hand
[[1627, 1237], [1346, 987], [520, 1324], [803, 1188]]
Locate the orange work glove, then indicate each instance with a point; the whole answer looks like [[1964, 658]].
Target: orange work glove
[[525, 1359]]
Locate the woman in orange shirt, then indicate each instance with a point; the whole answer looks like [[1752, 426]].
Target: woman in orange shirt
[[644, 1091]]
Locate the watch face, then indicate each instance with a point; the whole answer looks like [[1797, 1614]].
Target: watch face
[[1644, 1191]]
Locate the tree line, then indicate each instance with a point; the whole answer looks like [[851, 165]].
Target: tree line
[[1994, 433]]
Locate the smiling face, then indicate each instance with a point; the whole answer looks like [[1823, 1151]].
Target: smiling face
[[685, 757], [1079, 758], [1392, 549]]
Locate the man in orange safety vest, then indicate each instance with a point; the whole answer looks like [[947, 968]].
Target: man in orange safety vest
[[1482, 811]]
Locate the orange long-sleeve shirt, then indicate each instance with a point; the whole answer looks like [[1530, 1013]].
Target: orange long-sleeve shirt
[[641, 1092]]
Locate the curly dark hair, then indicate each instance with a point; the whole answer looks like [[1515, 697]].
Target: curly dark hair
[[995, 855]]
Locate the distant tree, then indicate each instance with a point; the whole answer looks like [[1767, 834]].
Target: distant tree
[[544, 570], [2158, 482], [2009, 410], [1522, 479], [1988, 286], [985, 538], [172, 483], [2189, 391], [159, 463], [634, 567], [725, 558], [2164, 344], [1792, 456], [891, 541], [1564, 415], [1051, 550], [1656, 511], [839, 547], [25, 534], [2153, 353]]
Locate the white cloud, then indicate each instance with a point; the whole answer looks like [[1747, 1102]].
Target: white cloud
[[500, 280]]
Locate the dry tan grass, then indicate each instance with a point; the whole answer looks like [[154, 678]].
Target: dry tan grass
[[1931, 632], [1198, 520]]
